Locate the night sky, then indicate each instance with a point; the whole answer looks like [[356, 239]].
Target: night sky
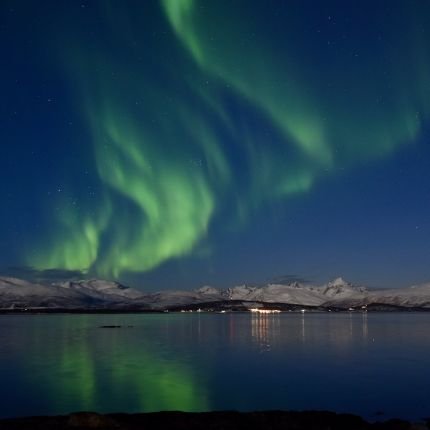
[[177, 143]]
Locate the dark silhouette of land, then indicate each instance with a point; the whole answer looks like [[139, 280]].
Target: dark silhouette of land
[[271, 420]]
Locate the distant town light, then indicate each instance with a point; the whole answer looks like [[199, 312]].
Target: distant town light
[[265, 311]]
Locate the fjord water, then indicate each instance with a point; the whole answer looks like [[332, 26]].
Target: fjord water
[[374, 365]]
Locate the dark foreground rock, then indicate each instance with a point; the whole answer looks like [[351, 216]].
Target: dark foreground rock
[[271, 420]]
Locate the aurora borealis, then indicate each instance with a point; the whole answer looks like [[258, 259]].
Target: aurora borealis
[[197, 141]]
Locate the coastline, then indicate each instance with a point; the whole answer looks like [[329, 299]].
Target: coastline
[[226, 420], [236, 306]]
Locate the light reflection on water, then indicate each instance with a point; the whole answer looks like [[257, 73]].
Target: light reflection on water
[[351, 362], [264, 328]]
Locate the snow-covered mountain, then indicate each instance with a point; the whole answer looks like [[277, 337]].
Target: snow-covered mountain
[[17, 293], [82, 294], [102, 289], [415, 296], [297, 293]]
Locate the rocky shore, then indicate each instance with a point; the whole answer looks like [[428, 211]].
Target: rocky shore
[[273, 420]]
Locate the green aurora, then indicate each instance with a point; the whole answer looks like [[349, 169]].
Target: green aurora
[[167, 137]]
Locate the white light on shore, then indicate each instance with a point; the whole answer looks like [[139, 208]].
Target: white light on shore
[[265, 311]]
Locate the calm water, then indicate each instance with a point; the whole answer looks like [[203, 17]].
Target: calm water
[[366, 364]]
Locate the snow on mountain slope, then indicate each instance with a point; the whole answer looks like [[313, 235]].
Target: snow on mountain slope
[[16, 292], [297, 293], [415, 296], [19, 293], [304, 295], [21, 288], [340, 289], [102, 289], [98, 293], [176, 298], [276, 293]]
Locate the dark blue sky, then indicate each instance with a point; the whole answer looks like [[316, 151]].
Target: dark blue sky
[[176, 143]]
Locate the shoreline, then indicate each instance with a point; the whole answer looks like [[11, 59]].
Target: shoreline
[[216, 307], [222, 420]]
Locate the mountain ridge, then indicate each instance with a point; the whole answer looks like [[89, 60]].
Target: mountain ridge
[[100, 294]]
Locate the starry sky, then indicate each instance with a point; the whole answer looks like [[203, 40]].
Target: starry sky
[[177, 143]]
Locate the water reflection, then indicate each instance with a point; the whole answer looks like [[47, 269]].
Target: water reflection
[[57, 364], [111, 369], [264, 328], [342, 331], [364, 325], [303, 328]]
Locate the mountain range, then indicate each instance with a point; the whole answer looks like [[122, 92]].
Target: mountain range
[[107, 295]]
